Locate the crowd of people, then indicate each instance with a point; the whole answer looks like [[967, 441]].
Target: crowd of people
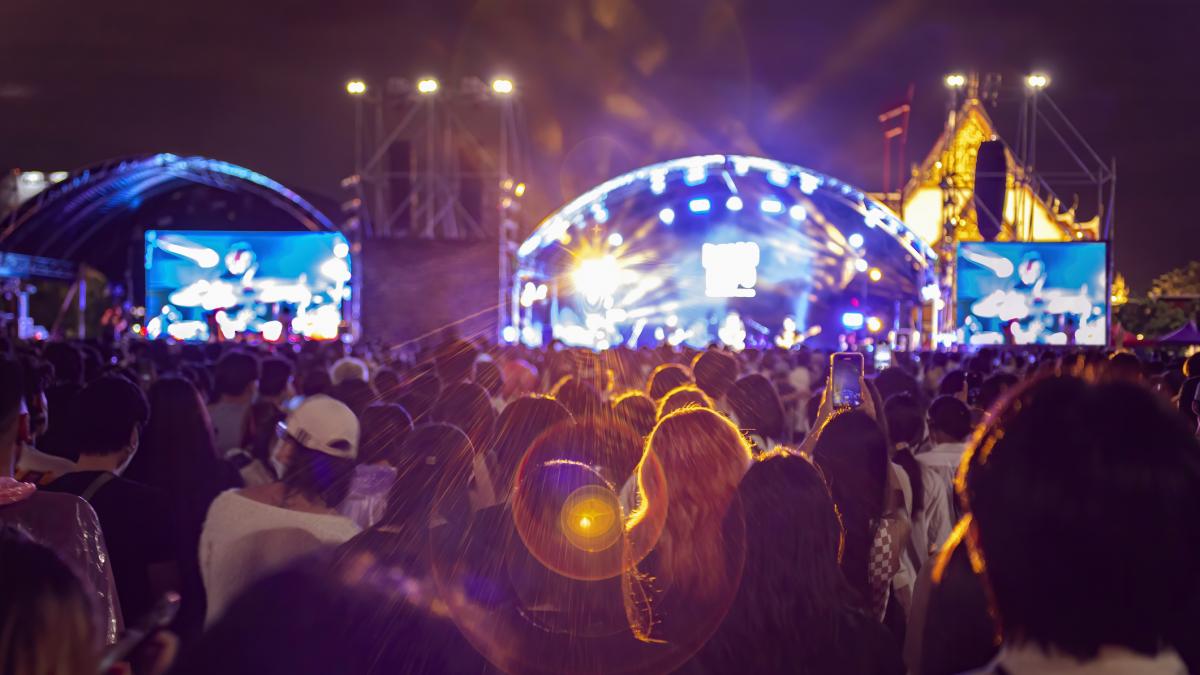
[[319, 508]]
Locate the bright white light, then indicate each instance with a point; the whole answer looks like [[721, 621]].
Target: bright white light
[[778, 177], [874, 324], [667, 216], [771, 206], [1037, 81], [272, 330], [615, 239], [658, 182], [853, 320], [596, 278], [660, 334], [672, 321], [203, 256], [519, 190], [861, 265], [33, 177], [930, 292], [734, 203], [542, 291], [502, 85], [695, 174], [875, 274], [58, 176], [509, 334], [700, 205], [336, 269], [356, 87], [797, 212], [341, 249], [183, 330], [809, 183], [529, 245], [939, 304], [856, 240], [599, 213], [730, 270], [874, 218], [427, 85], [955, 80]]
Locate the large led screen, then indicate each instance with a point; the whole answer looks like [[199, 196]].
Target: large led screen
[[231, 285], [1028, 293]]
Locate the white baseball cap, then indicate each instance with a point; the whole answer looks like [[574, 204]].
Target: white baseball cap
[[324, 424]]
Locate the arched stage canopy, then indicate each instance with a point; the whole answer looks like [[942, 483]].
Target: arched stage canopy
[[741, 250], [81, 218]]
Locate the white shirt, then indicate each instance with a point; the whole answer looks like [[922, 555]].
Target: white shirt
[[1028, 660], [938, 469], [244, 540]]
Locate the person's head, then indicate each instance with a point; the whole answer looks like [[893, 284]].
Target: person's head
[[1191, 367], [755, 402], [276, 378], [419, 394], [681, 397], [67, 362], [433, 478], [355, 393], [109, 415], [455, 361], [1188, 407], [994, 388], [702, 457], [637, 410], [905, 421], [317, 451], [349, 368], [487, 375], [518, 426], [315, 382], [578, 397], [177, 449], [715, 372], [893, 380], [1124, 366], [236, 375], [47, 622], [853, 454], [1082, 500], [949, 420], [384, 428], [466, 405], [665, 378], [953, 383], [387, 384]]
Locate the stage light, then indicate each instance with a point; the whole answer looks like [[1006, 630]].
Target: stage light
[[336, 269], [58, 176], [930, 292], [272, 331], [778, 177], [502, 86], [809, 183], [875, 274], [797, 212], [341, 249], [596, 278], [1037, 81], [734, 203], [519, 190], [615, 239], [861, 265], [356, 87], [509, 334], [939, 304], [700, 205], [874, 324], [695, 175], [955, 80], [667, 216], [853, 320], [856, 240], [427, 85], [771, 206], [1140, 337]]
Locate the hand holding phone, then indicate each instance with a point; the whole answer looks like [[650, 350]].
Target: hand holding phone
[[139, 634], [845, 379]]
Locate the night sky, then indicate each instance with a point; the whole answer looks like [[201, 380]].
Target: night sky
[[609, 85]]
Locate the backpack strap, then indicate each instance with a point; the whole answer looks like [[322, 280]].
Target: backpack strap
[[96, 485]]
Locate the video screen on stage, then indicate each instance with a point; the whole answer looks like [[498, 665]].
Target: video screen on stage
[[1029, 293], [258, 285]]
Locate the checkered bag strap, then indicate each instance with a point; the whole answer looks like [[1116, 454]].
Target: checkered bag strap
[[882, 566]]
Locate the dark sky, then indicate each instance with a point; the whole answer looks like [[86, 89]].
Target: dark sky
[[608, 85]]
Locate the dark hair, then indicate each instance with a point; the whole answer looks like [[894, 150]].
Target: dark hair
[[952, 383], [905, 429], [637, 410], [455, 361], [794, 598], [715, 372], [467, 406], [604, 444], [67, 362], [994, 387], [12, 391], [580, 398], [852, 453], [1083, 499], [318, 476], [356, 394], [387, 385], [275, 375], [758, 408], [665, 378], [106, 413], [1123, 365], [683, 396], [1191, 367], [434, 472], [384, 428], [950, 416], [892, 381], [521, 422], [1187, 394], [316, 381], [487, 375], [419, 394], [234, 372]]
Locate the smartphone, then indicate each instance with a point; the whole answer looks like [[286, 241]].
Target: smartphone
[[974, 384], [845, 376], [135, 636], [883, 356]]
